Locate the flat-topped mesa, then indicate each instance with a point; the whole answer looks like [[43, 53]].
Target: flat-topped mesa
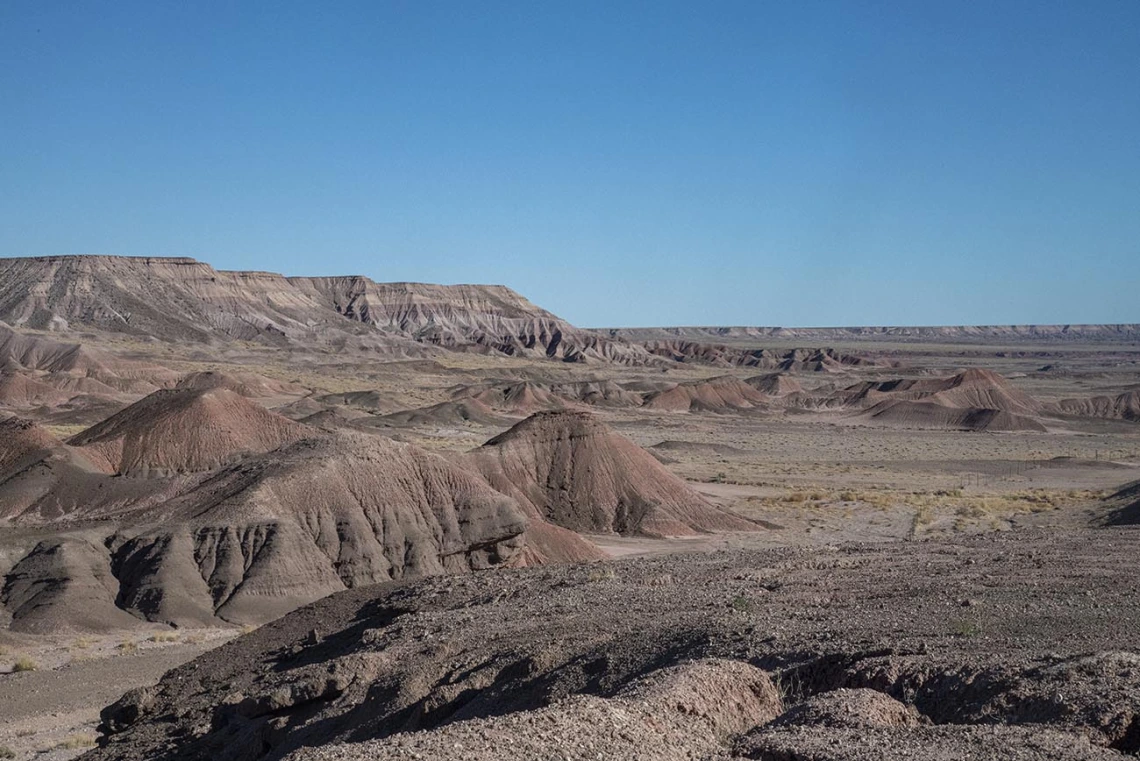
[[406, 305], [94, 259], [176, 298], [181, 299], [573, 471]]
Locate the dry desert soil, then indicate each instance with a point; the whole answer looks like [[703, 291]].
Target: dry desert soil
[[247, 516]]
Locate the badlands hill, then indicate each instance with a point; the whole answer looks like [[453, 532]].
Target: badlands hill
[[723, 394], [74, 368], [185, 430], [526, 397], [1124, 406], [252, 541], [196, 505], [975, 399], [576, 473]]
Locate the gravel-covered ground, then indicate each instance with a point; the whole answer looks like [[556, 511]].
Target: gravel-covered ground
[[1022, 644]]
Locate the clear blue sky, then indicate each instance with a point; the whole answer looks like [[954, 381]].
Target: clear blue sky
[[765, 163]]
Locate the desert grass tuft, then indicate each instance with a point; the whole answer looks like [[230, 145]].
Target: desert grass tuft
[[76, 742]]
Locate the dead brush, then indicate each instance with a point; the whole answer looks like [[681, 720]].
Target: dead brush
[[789, 686]]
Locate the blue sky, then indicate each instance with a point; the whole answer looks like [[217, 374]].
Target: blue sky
[[763, 163]]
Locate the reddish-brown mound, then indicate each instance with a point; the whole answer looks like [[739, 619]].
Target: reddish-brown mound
[[185, 430], [1126, 406], [527, 397], [250, 385], [447, 413], [724, 394], [975, 399], [975, 388], [775, 384], [986, 389], [521, 398], [855, 708], [42, 478], [22, 443], [930, 414], [573, 471], [20, 391], [372, 400]]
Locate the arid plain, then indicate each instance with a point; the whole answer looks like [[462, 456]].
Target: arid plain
[[613, 543]]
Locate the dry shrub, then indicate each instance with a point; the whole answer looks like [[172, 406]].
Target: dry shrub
[[75, 742]]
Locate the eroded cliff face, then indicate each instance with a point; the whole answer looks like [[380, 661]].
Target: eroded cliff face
[[490, 318], [181, 299], [172, 299]]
